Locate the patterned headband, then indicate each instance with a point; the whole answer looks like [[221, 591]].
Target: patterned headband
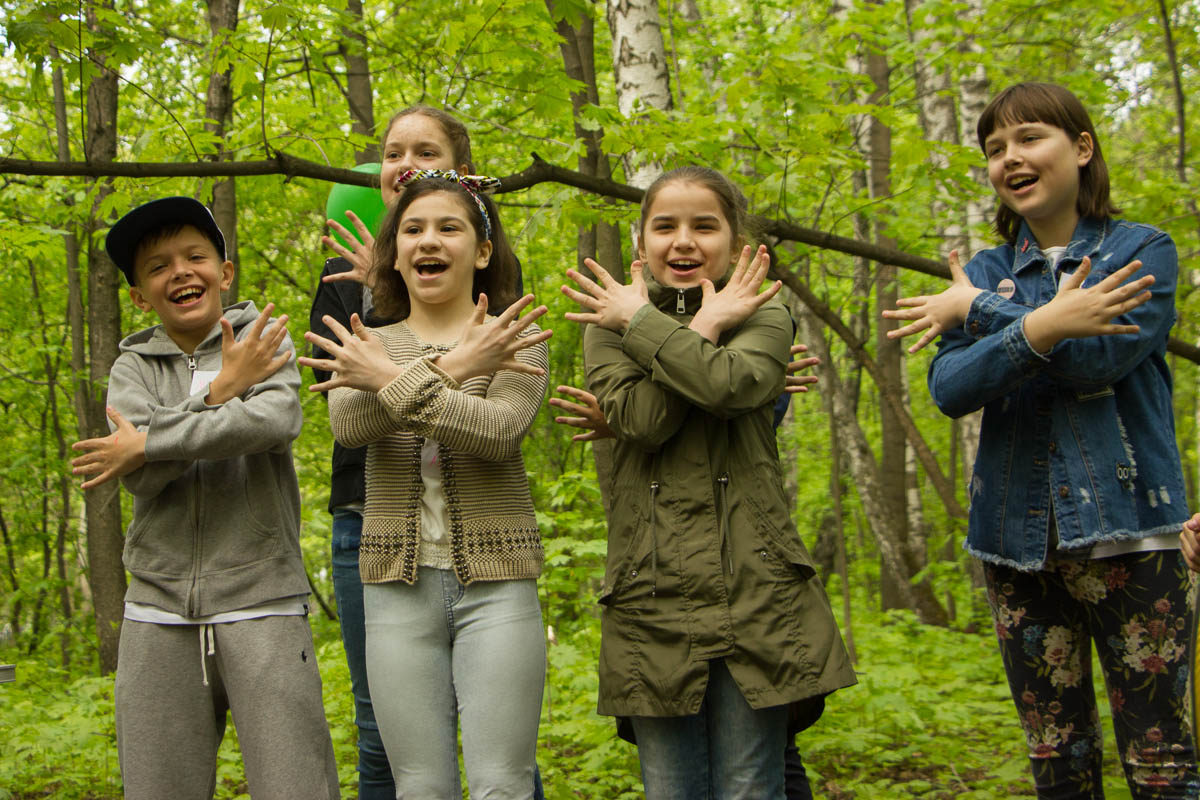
[[474, 184]]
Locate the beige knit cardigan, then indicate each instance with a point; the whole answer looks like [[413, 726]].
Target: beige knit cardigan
[[479, 427]]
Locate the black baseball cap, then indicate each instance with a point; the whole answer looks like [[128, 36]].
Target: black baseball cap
[[125, 236]]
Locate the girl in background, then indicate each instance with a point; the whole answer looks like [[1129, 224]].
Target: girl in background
[[1077, 498], [714, 621]]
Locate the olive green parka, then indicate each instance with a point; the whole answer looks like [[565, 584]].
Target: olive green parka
[[703, 559]]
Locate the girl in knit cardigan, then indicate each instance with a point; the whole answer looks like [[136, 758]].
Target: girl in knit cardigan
[[450, 549]]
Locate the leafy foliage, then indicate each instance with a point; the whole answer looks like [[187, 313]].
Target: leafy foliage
[[764, 90]]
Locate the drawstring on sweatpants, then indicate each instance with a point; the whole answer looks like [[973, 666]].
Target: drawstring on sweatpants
[[212, 649]]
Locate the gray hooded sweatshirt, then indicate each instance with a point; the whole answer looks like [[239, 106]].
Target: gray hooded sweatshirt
[[216, 509]]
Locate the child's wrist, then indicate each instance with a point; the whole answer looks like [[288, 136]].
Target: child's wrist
[[706, 327], [1040, 331], [968, 300], [454, 366]]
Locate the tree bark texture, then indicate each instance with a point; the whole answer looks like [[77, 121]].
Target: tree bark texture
[[640, 71], [104, 539], [862, 464], [353, 49], [218, 111]]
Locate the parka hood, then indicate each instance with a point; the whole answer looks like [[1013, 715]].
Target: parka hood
[[154, 341]]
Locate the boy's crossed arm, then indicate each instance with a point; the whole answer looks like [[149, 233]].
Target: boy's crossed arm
[[244, 364]]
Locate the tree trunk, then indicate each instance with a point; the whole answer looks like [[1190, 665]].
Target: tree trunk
[[78, 350], [104, 539], [889, 352], [974, 91], [935, 109], [640, 71], [601, 241], [218, 111], [353, 49], [861, 460]]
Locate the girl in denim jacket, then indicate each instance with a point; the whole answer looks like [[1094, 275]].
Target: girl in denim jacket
[[1077, 495]]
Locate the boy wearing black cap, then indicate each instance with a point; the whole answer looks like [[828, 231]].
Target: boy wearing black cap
[[205, 409]]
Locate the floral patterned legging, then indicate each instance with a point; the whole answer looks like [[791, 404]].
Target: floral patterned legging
[[1137, 608]]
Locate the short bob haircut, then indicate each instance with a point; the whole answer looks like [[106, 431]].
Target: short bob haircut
[[1049, 104], [729, 197], [498, 280], [456, 132]]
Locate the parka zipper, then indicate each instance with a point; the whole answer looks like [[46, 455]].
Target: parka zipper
[[723, 521], [653, 540], [193, 591], [680, 305]]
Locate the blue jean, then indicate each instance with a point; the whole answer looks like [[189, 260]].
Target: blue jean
[[439, 652], [727, 751], [374, 773]]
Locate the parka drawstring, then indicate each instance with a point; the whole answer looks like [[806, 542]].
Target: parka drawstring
[[723, 524], [653, 541]]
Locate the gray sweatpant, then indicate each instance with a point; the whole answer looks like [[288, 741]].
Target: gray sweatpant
[[169, 724]]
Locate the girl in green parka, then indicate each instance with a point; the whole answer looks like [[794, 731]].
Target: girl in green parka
[[714, 622]]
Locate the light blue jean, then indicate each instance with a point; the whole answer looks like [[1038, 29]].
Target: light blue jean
[[374, 774], [439, 652], [727, 751]]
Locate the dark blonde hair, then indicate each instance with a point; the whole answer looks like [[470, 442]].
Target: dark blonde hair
[[1049, 104], [497, 280], [729, 197], [456, 132]]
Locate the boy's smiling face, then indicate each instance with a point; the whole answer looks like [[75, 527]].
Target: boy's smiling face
[[180, 277]]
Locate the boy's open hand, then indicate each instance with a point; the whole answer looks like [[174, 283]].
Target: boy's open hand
[[733, 305], [798, 383], [112, 456], [1189, 542], [359, 254], [484, 348], [357, 359], [589, 416], [612, 303], [250, 361], [935, 313], [1075, 312]]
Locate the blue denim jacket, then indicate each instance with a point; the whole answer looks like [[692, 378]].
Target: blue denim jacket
[[1085, 433]]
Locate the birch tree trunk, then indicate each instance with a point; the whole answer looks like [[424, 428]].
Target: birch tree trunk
[[104, 539], [935, 108], [640, 71]]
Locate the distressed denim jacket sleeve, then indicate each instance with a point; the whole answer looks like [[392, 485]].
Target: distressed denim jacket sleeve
[[990, 355]]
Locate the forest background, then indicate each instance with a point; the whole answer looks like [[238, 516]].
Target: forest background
[[850, 126]]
